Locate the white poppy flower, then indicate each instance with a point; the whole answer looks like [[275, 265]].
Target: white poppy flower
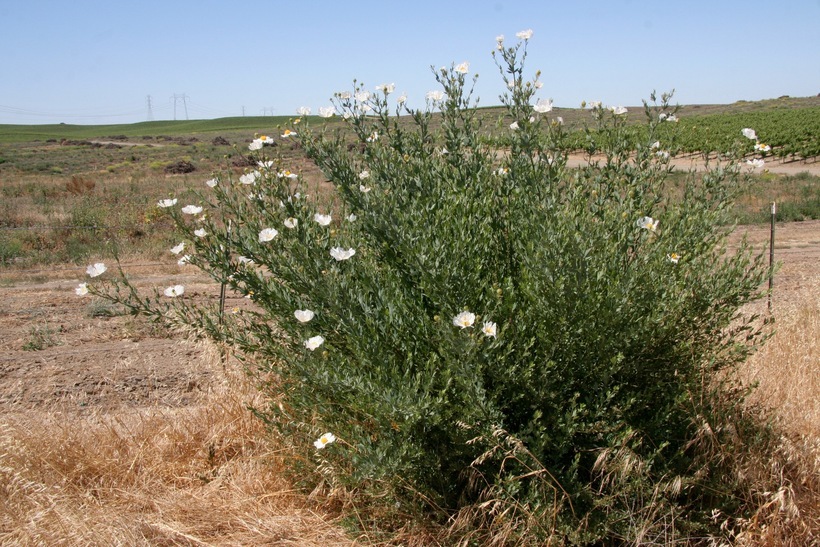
[[749, 133], [200, 232], [373, 137], [324, 440], [344, 95], [514, 126], [288, 134], [287, 175], [340, 254], [250, 178], [435, 95], [178, 248], [326, 111], [351, 217], [364, 189], [618, 110], [82, 289], [760, 147], [524, 34], [303, 111], [402, 99], [463, 68], [255, 144], [164, 203], [303, 316], [192, 209], [291, 222], [464, 319], [267, 234], [362, 96], [673, 257], [96, 269], [174, 291], [386, 88], [502, 171], [364, 175], [756, 163], [543, 106], [648, 223], [489, 329], [323, 220], [184, 260], [314, 342], [211, 183]]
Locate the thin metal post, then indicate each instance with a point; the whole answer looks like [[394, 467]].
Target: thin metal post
[[771, 255], [223, 284]]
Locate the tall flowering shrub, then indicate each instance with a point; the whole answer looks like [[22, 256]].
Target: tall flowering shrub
[[469, 325]]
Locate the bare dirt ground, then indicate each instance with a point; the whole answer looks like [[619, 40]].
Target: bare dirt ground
[[696, 162], [107, 363]]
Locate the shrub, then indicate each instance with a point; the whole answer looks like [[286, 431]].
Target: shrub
[[531, 351]]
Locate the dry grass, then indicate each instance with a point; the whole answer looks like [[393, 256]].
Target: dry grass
[[204, 475]]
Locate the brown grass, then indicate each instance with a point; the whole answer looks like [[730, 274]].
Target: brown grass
[[204, 475]]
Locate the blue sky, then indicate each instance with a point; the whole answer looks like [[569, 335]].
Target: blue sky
[[92, 62]]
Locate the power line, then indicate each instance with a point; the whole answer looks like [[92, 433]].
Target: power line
[[183, 97], [150, 113]]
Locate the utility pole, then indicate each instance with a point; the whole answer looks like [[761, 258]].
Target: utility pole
[[243, 110], [182, 98], [150, 112]]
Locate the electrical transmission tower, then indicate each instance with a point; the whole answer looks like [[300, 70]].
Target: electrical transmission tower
[[150, 112], [182, 98]]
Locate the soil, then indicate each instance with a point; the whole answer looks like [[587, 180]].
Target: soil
[[55, 354]]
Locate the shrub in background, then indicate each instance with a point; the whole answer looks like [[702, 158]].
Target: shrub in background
[[529, 350]]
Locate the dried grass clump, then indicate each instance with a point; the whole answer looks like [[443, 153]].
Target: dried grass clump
[[204, 475]]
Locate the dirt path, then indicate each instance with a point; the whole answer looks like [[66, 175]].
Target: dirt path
[[696, 163]]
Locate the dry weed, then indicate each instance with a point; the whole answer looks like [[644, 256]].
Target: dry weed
[[204, 475]]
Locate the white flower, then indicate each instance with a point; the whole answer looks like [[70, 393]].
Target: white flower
[[524, 34], [184, 260], [303, 111], [543, 106], [760, 147], [244, 260], [514, 126], [96, 269], [373, 137], [267, 234], [749, 133], [291, 222], [464, 319], [164, 203], [211, 183], [362, 96], [351, 217], [648, 223], [435, 95], [326, 111], [673, 257], [314, 342], [303, 316], [287, 175], [559, 120], [618, 110], [178, 248], [174, 291], [364, 189], [402, 99], [663, 154], [266, 164], [344, 95], [756, 163], [364, 175], [489, 329], [192, 209], [499, 40], [463, 68], [502, 171], [250, 178], [288, 134], [200, 233], [82, 289], [324, 440], [672, 118], [538, 84], [386, 88], [255, 144], [595, 104], [323, 220], [340, 254], [655, 145]]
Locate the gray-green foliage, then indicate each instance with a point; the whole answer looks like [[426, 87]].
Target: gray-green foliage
[[577, 416]]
